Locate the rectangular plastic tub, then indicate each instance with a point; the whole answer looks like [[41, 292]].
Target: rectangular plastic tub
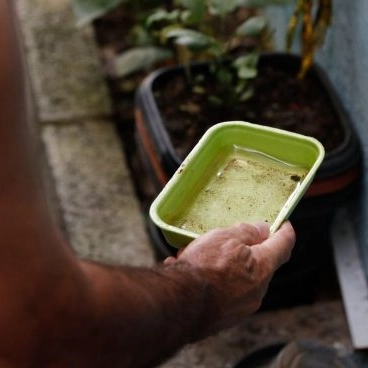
[[237, 172]]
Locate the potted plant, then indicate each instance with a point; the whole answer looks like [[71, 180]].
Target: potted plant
[[127, 50], [276, 89]]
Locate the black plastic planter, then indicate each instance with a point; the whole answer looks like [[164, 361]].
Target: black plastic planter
[[336, 181]]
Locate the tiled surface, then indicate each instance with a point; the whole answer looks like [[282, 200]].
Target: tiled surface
[[323, 322], [95, 197], [63, 62], [101, 212]]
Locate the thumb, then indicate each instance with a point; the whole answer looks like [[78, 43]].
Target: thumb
[[169, 261], [278, 246]]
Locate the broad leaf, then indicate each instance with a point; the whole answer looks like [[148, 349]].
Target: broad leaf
[[88, 10], [247, 94], [222, 7], [263, 3], [140, 58], [246, 72], [140, 36], [250, 59], [224, 75], [252, 27], [196, 10], [162, 15], [246, 65], [193, 40]]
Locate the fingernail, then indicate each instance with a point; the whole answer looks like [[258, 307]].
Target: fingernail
[[263, 229], [169, 261]]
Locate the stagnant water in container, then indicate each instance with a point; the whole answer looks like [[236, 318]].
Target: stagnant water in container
[[249, 186]]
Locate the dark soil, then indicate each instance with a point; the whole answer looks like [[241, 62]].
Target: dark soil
[[280, 100]]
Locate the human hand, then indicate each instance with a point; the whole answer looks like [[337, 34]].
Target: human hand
[[236, 265]]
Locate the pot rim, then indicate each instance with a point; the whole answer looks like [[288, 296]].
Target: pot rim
[[337, 161]]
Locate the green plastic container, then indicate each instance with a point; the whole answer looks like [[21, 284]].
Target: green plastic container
[[237, 172]]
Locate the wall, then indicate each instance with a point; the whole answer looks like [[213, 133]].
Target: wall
[[344, 56]]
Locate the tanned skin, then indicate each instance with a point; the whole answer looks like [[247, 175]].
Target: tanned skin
[[57, 311]]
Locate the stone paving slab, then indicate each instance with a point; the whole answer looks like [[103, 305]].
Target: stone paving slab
[[96, 195], [323, 322], [63, 62]]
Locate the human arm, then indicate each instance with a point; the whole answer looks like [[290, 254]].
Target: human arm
[[213, 284], [59, 311]]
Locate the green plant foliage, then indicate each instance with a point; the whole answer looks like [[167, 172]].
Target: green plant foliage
[[195, 41], [88, 10], [161, 16], [139, 36], [189, 30], [263, 3], [236, 77], [246, 65], [252, 27], [139, 58], [222, 7], [196, 10]]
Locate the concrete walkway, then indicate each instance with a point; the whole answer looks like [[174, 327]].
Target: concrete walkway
[[92, 192], [92, 182]]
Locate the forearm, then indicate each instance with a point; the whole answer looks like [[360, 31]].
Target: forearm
[[57, 311], [20, 183], [145, 315], [15, 122], [100, 315], [24, 211]]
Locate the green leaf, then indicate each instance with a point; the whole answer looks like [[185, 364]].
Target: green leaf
[[196, 10], [246, 65], [252, 27], [247, 94], [224, 75], [222, 7], [88, 10], [161, 15], [215, 100], [140, 36], [244, 90], [250, 59], [246, 72], [193, 40], [263, 3], [139, 58]]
